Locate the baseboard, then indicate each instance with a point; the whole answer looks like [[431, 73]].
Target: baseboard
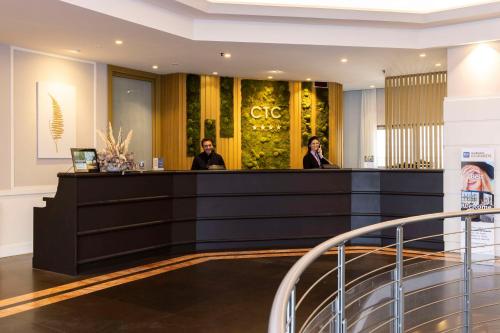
[[15, 249]]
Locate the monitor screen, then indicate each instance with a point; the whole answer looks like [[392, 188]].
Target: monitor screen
[[85, 159]]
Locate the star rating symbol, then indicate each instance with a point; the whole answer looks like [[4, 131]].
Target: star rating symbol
[[264, 127]]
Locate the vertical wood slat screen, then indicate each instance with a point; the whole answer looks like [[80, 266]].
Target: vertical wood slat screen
[[296, 152], [414, 120], [336, 121]]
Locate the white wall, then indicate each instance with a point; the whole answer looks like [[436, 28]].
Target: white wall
[[24, 179], [352, 128], [471, 118]]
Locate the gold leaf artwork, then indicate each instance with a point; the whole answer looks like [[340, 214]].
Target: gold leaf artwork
[[56, 125]]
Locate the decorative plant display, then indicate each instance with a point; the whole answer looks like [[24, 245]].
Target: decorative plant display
[[226, 107], [193, 125], [265, 124], [306, 114], [56, 124], [115, 156], [322, 117], [210, 131]]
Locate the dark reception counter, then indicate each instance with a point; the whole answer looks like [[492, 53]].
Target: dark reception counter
[[98, 220]]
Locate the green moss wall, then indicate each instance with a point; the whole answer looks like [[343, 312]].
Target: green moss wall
[[193, 106], [306, 114], [265, 142], [322, 116], [210, 131], [226, 107]]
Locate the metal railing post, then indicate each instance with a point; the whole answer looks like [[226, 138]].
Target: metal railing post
[[341, 321], [467, 274], [290, 313], [399, 296]]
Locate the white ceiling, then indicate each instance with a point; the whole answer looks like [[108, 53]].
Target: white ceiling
[[56, 27], [405, 6]]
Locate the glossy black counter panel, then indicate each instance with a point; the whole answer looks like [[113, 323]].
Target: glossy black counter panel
[[273, 205], [97, 219], [277, 182], [97, 189]]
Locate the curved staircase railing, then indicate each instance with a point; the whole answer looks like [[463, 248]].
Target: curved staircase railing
[[438, 291]]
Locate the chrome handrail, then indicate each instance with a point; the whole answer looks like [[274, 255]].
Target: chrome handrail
[[282, 313]]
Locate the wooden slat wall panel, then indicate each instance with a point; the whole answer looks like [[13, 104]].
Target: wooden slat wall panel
[[414, 120], [229, 148], [173, 121], [296, 153], [236, 146], [336, 121]]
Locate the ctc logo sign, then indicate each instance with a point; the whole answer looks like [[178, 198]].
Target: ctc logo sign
[[265, 112]]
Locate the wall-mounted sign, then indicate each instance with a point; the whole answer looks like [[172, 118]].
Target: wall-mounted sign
[[265, 112], [265, 124]]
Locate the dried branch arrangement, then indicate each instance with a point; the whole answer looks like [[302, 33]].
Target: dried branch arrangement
[[115, 156]]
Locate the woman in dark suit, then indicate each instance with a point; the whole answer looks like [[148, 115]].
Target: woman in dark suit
[[314, 158]]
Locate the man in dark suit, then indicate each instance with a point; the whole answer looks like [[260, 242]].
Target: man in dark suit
[[208, 158], [314, 158]]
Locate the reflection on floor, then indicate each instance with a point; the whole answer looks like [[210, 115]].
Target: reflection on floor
[[205, 292]]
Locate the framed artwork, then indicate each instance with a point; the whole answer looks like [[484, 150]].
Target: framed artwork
[[56, 119]]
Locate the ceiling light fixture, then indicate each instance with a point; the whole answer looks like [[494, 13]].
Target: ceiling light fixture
[[118, 42], [344, 60], [438, 64], [422, 55], [269, 77], [308, 79], [372, 86], [155, 66], [225, 55], [215, 73], [276, 71]]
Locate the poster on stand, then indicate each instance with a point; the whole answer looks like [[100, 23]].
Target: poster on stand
[[477, 192]]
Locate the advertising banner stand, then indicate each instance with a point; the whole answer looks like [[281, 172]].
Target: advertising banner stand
[[477, 192]]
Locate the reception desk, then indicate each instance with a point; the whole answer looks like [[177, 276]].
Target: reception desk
[[97, 220]]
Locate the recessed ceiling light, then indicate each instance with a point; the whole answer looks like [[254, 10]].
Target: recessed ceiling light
[[155, 66], [372, 86], [215, 73], [438, 65], [422, 55], [269, 77], [225, 55], [343, 60], [118, 42], [276, 71], [308, 79]]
